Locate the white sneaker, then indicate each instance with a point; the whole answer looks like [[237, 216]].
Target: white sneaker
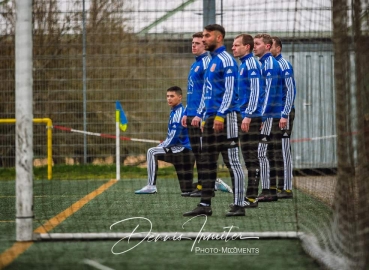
[[149, 189], [220, 185]]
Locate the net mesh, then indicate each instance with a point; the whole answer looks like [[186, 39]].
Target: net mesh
[[88, 54]]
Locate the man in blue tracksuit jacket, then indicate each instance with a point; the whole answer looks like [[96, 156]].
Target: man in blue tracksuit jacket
[[175, 149], [270, 146], [191, 119], [288, 115], [251, 100], [220, 129]]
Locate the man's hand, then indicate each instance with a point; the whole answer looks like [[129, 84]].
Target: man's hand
[[283, 123], [184, 121], [196, 121], [245, 125], [218, 126]]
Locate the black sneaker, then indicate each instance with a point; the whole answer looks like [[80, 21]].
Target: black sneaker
[[235, 211], [267, 196], [186, 194], [196, 193], [248, 204], [285, 194], [199, 210]]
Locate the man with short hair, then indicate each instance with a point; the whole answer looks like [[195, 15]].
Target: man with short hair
[[270, 146], [284, 190], [192, 116], [220, 129], [251, 99], [191, 119], [174, 149]]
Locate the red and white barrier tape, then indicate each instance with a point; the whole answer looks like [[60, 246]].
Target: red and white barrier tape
[[155, 141], [104, 135]]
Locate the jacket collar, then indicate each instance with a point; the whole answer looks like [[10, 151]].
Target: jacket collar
[[279, 56], [218, 51], [247, 56], [265, 56], [201, 56]]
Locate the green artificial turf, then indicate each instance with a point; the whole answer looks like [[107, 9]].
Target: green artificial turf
[[158, 214]]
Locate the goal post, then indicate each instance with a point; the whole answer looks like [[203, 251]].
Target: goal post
[[49, 127], [24, 116]]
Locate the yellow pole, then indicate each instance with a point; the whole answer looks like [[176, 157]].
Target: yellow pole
[[49, 149], [49, 126]]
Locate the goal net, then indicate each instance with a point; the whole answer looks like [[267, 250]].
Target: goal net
[[84, 55]]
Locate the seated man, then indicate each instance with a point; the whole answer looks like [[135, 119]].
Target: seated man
[[175, 149]]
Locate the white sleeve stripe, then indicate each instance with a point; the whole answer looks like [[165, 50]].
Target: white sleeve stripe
[[283, 63], [202, 102], [227, 97], [169, 139], [251, 63], [177, 116], [267, 88], [289, 97], [226, 59], [205, 62], [254, 96]]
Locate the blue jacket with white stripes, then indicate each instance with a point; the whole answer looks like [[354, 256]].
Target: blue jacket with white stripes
[[195, 84], [272, 76], [220, 95], [177, 135], [289, 85], [250, 87]]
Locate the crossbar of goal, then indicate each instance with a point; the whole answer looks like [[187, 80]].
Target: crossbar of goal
[[164, 235]]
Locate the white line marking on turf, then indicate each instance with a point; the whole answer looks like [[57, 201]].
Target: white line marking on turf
[[96, 265]]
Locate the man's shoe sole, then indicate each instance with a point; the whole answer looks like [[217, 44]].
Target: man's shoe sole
[[199, 195], [194, 213], [235, 214], [190, 214]]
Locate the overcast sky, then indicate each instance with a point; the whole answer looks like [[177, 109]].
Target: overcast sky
[[237, 16]]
